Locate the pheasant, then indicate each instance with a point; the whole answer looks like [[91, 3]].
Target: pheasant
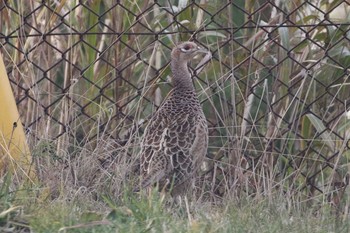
[[176, 139]]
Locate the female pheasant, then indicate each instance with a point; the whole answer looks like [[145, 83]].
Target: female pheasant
[[176, 139]]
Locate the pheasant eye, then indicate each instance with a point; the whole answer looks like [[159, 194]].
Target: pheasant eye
[[186, 48]]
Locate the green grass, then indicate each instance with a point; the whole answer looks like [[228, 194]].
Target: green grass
[[29, 208]]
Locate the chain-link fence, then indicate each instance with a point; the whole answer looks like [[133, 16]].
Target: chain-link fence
[[275, 92]]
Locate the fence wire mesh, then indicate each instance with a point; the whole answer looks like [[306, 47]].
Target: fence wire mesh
[[275, 92]]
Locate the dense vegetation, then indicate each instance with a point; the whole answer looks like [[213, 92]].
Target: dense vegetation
[[87, 76]]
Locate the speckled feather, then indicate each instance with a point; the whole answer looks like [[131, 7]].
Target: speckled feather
[[176, 139]]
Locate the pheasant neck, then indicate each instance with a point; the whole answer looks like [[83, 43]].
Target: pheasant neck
[[181, 76]]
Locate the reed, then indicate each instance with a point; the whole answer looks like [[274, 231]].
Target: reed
[[275, 95]]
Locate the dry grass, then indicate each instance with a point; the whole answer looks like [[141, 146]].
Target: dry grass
[[274, 98]]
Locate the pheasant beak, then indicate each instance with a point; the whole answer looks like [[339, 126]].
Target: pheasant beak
[[201, 50]]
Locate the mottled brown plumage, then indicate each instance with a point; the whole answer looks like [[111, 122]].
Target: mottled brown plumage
[[176, 139]]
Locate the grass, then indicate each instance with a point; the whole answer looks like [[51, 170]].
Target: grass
[[26, 210], [78, 196], [274, 97]]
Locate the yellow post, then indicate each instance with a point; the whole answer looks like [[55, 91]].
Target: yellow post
[[14, 151]]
